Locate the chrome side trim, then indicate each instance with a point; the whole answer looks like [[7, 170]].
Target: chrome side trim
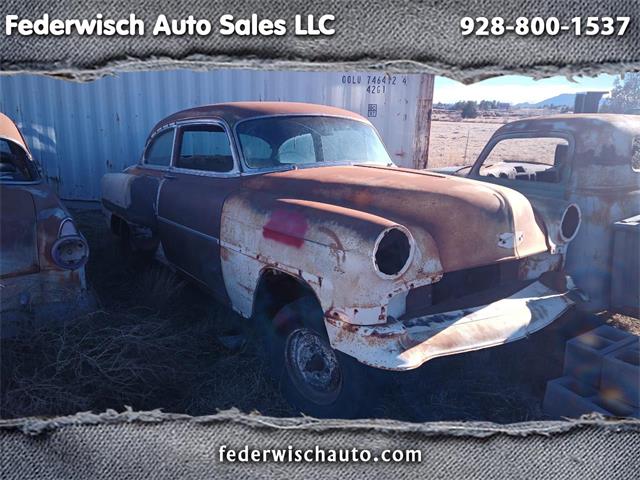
[[189, 229]]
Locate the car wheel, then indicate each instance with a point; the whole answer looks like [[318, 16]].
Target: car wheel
[[313, 377]]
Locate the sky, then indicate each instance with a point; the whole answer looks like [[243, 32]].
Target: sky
[[517, 88]]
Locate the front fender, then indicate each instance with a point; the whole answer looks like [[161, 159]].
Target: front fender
[[561, 219], [331, 248]]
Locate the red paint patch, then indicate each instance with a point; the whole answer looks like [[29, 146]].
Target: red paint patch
[[287, 227]]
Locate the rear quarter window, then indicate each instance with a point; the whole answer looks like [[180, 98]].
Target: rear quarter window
[[159, 151]]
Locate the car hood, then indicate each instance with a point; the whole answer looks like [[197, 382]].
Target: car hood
[[473, 223], [18, 242]]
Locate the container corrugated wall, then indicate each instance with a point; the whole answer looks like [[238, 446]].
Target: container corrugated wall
[[79, 131]]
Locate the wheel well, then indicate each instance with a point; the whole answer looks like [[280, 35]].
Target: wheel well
[[276, 289]]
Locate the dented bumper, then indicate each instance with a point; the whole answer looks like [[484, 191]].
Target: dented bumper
[[407, 344]]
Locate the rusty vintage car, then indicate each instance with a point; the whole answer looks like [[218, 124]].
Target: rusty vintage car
[[590, 160], [295, 216], [42, 253]]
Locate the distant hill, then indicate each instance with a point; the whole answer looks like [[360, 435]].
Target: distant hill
[[563, 100]]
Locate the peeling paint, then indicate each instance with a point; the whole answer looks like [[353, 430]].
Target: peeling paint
[[325, 226], [407, 344]]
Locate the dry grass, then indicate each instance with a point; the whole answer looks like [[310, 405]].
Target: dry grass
[[488, 385], [153, 343], [458, 143]]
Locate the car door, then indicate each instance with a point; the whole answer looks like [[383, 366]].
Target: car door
[[203, 174], [149, 174]]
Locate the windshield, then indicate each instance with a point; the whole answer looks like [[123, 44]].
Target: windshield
[[307, 140]]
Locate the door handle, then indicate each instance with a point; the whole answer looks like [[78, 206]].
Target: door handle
[[169, 176]]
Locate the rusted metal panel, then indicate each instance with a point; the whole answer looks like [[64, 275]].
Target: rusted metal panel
[[331, 247], [408, 344], [37, 290], [340, 213], [325, 223], [18, 247], [80, 131], [599, 177], [234, 112], [460, 215], [38, 261], [603, 143]]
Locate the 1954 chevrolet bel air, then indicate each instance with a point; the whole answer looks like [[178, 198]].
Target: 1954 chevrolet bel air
[[295, 216]]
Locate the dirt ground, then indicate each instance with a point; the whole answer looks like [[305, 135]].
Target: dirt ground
[[458, 143], [155, 341]]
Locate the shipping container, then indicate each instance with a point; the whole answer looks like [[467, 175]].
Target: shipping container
[[79, 131]]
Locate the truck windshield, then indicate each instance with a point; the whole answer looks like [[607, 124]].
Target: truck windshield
[[307, 140], [15, 165]]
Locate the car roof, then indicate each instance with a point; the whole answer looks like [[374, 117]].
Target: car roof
[[582, 125], [9, 131], [600, 140], [234, 112]]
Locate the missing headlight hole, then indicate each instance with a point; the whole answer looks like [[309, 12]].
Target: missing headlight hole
[[393, 252], [570, 222]]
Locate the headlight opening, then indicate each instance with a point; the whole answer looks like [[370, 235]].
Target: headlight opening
[[393, 252]]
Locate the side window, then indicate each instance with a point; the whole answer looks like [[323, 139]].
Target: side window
[[297, 150], [537, 159], [635, 154], [159, 151], [206, 148]]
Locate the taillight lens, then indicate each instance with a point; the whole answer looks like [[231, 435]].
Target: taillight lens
[[70, 251]]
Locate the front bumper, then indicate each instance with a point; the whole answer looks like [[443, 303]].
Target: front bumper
[[407, 344]]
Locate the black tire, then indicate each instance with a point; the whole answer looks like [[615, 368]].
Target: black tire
[[330, 384]]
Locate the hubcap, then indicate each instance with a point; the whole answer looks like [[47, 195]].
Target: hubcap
[[313, 366]]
